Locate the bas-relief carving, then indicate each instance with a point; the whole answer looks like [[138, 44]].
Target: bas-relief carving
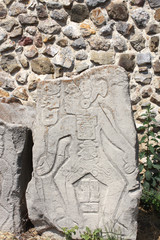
[[87, 157]]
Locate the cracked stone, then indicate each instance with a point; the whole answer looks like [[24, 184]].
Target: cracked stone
[[117, 11], [97, 16], [140, 17]]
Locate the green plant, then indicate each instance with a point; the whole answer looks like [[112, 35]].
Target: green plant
[[150, 200], [69, 232], [112, 234], [150, 143], [89, 235]]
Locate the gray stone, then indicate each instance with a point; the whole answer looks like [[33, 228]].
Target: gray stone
[[59, 15], [88, 154], [64, 58], [154, 3], [156, 66], [7, 45], [143, 58], [155, 98], [124, 28], [17, 8], [79, 13], [23, 61], [15, 173], [139, 3], [62, 42], [3, 11], [71, 31], [127, 61], [30, 51], [42, 65], [138, 42], [143, 78], [17, 31], [81, 66], [9, 24], [146, 91], [107, 29], [9, 63], [99, 43], [31, 30], [93, 3], [49, 26], [119, 43], [51, 50], [53, 5], [65, 3], [79, 43], [140, 17], [102, 57], [21, 78], [41, 11], [3, 35], [28, 19], [153, 28], [6, 81], [81, 55]]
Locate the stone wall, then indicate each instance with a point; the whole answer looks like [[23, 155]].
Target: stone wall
[[47, 39]]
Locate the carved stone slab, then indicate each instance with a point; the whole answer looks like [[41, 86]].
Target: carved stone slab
[[84, 155], [15, 173]]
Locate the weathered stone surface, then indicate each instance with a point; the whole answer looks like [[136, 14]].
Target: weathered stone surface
[[31, 30], [49, 26], [42, 65], [53, 4], [154, 43], [119, 43], [17, 8], [141, 17], [24, 41], [87, 29], [93, 3], [7, 2], [102, 57], [155, 98], [17, 31], [30, 51], [59, 15], [21, 93], [154, 3], [127, 61], [6, 81], [72, 31], [99, 43], [62, 42], [51, 50], [97, 16], [64, 58], [3, 93], [124, 28], [3, 11], [79, 13], [143, 58], [156, 66], [32, 82], [118, 11], [138, 42], [7, 45], [3, 35], [65, 3], [157, 15], [21, 78], [107, 29], [26, 19], [9, 63], [79, 43], [143, 78], [139, 3], [88, 154], [146, 91], [15, 173], [23, 61], [38, 40], [81, 55], [153, 29], [81, 66], [41, 11], [8, 24]]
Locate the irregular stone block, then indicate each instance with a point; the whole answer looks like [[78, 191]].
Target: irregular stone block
[[84, 154], [103, 57], [140, 17], [15, 173], [118, 11], [42, 65], [143, 58], [154, 3], [79, 13], [154, 43], [127, 61], [9, 63]]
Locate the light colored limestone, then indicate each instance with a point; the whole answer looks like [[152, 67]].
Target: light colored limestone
[[84, 155]]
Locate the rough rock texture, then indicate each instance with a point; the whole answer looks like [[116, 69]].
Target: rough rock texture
[[85, 167], [15, 173]]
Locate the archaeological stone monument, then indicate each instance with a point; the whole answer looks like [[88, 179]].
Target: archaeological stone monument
[[84, 154]]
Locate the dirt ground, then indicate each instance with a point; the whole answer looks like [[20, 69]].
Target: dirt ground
[[148, 229]]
